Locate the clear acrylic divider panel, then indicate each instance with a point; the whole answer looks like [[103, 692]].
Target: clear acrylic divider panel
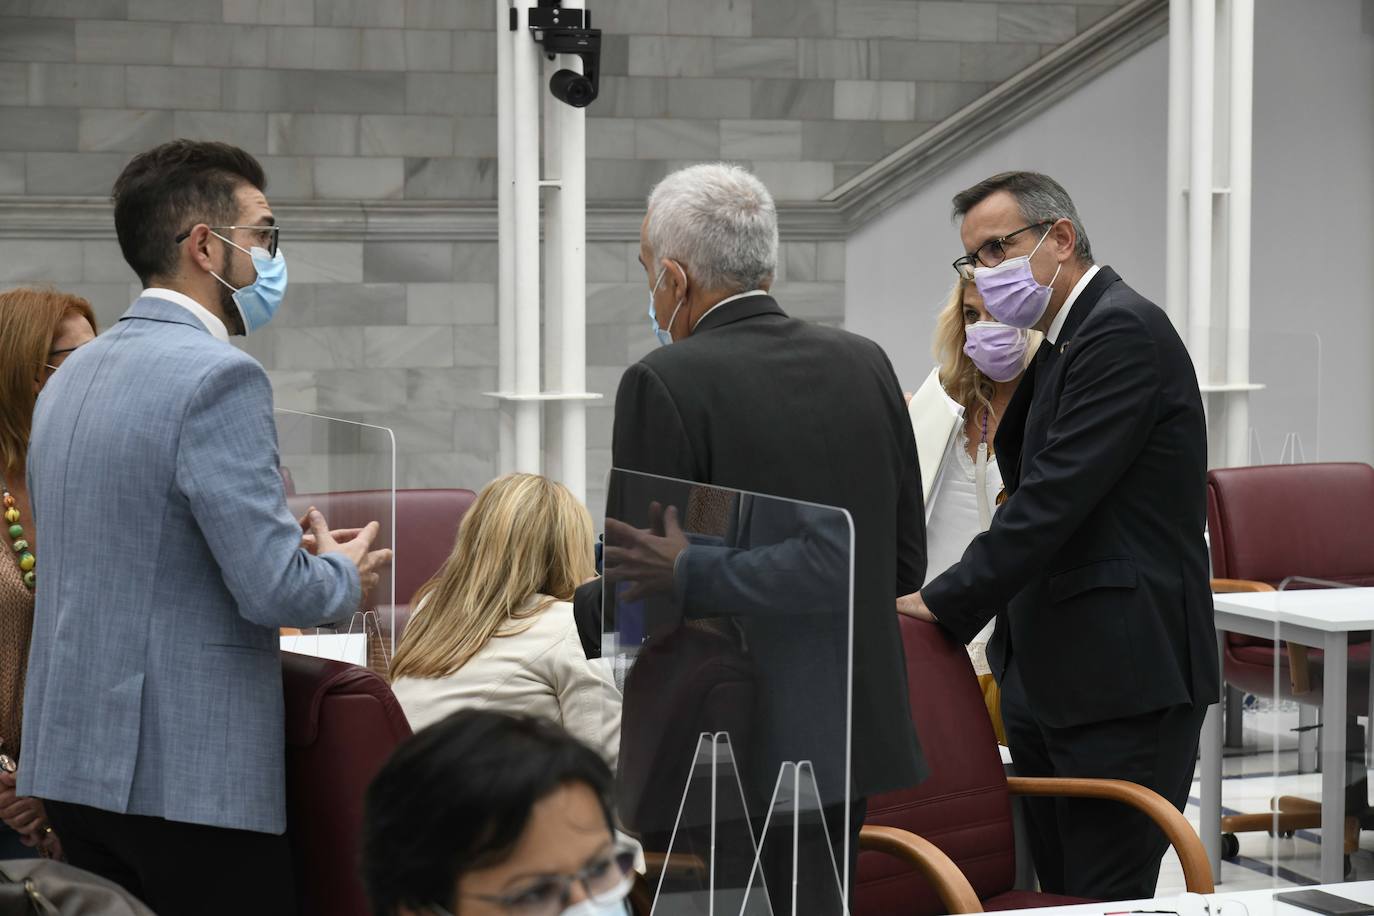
[[1322, 739], [1271, 766], [346, 470], [727, 617]]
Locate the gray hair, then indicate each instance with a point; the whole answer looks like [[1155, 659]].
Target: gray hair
[[1040, 198], [720, 222]]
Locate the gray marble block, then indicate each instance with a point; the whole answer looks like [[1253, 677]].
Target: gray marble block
[[321, 348], [361, 389], [37, 39], [632, 17], [338, 304], [198, 44], [761, 57], [460, 387], [39, 128], [451, 303], [177, 10], [14, 83], [325, 262], [708, 98], [711, 17], [270, 12], [247, 130], [671, 55], [387, 14], [833, 59], [941, 20], [757, 139], [872, 100], [450, 179], [610, 138], [792, 99], [288, 177], [342, 178], [407, 262], [405, 135], [39, 260], [801, 18], [100, 41], [1047, 24], [915, 60], [107, 129], [76, 85], [195, 88], [11, 173], [843, 141], [637, 97], [797, 180], [450, 93], [877, 19], [679, 138], [364, 93], [470, 52], [312, 134], [408, 346]]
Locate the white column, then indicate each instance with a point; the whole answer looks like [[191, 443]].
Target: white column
[[572, 363], [1242, 73], [505, 243], [553, 273], [1200, 184], [1176, 209], [527, 89]]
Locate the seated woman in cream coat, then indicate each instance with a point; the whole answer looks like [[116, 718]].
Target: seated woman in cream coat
[[494, 628], [954, 415]]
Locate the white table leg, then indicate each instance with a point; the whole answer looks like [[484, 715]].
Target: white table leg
[[1209, 815], [1333, 757]]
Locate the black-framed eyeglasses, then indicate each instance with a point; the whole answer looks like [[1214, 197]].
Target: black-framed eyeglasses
[[260, 236], [992, 253], [605, 880]]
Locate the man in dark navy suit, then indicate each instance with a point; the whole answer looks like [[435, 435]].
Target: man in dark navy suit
[[1095, 566]]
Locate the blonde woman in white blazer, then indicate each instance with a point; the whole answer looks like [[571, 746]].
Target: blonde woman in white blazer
[[954, 415], [494, 628]]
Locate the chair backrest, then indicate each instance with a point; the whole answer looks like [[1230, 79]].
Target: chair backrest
[[1269, 522], [963, 806], [1273, 521], [342, 723], [426, 525]]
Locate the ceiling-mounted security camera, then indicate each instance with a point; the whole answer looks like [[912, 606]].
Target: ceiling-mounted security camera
[[569, 31]]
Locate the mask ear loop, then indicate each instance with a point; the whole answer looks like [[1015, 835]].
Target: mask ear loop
[[1057, 267]]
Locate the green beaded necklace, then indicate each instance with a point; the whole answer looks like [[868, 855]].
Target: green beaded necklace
[[21, 545]]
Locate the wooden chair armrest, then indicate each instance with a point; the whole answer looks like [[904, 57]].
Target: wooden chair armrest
[[1231, 586], [1299, 669], [936, 867], [1197, 870]]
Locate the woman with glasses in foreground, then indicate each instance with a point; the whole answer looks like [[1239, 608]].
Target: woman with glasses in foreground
[[39, 330], [488, 814]]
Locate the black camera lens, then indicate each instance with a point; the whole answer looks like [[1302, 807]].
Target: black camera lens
[[572, 88]]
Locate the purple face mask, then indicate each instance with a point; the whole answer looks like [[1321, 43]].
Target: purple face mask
[[998, 350], [1010, 291]]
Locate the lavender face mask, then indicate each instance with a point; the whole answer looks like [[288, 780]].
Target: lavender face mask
[[1010, 291], [998, 350]]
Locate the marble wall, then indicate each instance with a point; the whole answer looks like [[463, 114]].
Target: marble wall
[[393, 100]]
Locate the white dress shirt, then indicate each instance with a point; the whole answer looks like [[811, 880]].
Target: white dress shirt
[[203, 315], [1057, 325], [540, 670], [729, 299]]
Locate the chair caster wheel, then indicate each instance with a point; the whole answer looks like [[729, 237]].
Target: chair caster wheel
[[1230, 846]]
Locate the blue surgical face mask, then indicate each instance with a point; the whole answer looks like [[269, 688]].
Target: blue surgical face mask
[[259, 301], [665, 336]]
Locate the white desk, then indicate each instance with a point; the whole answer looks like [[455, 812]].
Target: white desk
[[1322, 619], [1256, 903]]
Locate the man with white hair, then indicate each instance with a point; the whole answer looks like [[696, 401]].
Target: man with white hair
[[751, 399]]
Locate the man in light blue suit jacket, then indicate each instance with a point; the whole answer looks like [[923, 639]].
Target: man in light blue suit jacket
[[153, 717]]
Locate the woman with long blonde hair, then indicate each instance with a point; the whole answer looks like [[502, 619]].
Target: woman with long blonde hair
[[494, 628], [955, 414]]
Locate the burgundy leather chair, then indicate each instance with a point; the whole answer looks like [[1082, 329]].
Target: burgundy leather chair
[[342, 723], [1269, 522], [426, 525], [963, 808]]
